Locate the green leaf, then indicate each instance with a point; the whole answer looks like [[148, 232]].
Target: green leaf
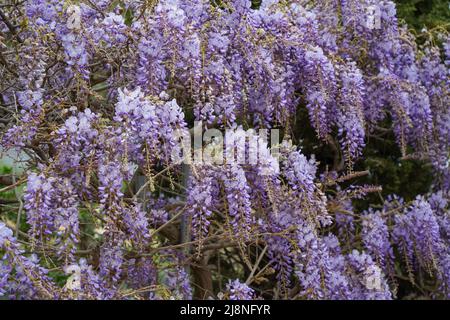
[[128, 16]]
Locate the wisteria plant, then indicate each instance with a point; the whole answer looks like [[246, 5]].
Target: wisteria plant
[[135, 125]]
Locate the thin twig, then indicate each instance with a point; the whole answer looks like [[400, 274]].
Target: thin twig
[[250, 277]]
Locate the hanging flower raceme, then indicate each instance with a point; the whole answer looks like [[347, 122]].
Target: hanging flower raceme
[[52, 212], [320, 87], [316, 267], [368, 281], [240, 216], [300, 174], [200, 203], [417, 235], [239, 291], [375, 235], [20, 276], [350, 119]]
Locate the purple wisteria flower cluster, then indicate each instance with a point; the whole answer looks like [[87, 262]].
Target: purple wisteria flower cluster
[[93, 97]]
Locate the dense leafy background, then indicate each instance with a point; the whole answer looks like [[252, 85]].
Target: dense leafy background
[[424, 13]]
